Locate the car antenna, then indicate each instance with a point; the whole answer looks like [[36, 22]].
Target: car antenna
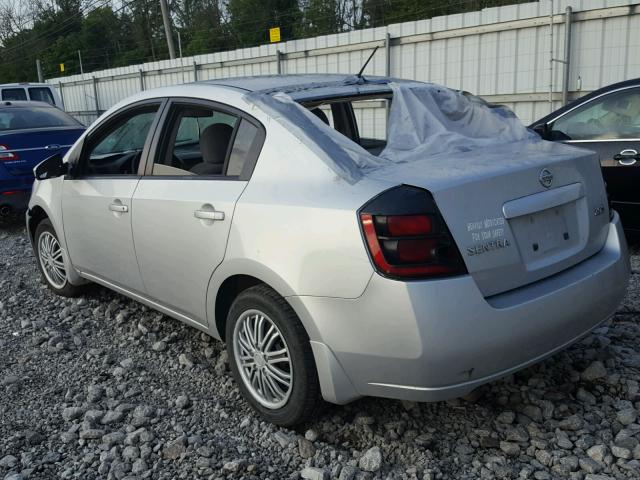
[[359, 75]]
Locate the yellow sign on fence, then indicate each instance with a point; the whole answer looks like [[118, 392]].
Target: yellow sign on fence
[[62, 67], [274, 34]]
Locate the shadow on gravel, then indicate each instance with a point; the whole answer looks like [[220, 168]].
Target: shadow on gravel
[[11, 223]]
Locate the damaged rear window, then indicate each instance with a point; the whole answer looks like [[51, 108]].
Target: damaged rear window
[[361, 119], [412, 121]]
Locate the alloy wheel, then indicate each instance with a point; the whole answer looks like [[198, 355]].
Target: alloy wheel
[[51, 259], [263, 359]]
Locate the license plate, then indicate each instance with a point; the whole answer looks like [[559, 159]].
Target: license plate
[[545, 234]]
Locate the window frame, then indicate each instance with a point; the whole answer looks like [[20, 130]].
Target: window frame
[[50, 93], [166, 127], [97, 131], [549, 124], [24, 90]]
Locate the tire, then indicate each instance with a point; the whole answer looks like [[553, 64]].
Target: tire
[[58, 285], [302, 399]]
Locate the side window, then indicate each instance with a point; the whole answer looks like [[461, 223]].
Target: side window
[[197, 141], [117, 148], [246, 147], [41, 94], [371, 120], [612, 116], [14, 94], [362, 120]]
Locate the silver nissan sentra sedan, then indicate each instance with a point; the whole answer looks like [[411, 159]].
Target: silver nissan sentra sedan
[[346, 236]]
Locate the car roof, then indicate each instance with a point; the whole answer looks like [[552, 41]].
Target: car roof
[[274, 82], [307, 87], [24, 84], [614, 86], [24, 104]]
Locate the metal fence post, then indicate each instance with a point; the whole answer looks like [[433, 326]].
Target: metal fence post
[[141, 80], [95, 95], [567, 55], [61, 95], [387, 73], [195, 71], [279, 62], [387, 51], [39, 69]]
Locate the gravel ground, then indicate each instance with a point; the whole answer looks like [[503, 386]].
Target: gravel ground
[[103, 387]]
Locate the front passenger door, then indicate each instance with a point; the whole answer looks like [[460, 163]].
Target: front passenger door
[[610, 125], [96, 197]]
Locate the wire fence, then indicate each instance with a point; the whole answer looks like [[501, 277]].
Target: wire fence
[[503, 54]]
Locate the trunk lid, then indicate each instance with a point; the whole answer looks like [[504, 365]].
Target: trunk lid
[[518, 212], [32, 146]]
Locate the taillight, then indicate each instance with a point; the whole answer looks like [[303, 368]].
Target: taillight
[[6, 156], [407, 237]]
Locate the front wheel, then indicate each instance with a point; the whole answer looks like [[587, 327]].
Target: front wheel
[[271, 358], [51, 261]]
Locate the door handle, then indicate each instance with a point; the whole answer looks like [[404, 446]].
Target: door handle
[[627, 157], [116, 207], [209, 215], [53, 146]]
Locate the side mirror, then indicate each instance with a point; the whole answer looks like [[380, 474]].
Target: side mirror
[[541, 129], [50, 168]]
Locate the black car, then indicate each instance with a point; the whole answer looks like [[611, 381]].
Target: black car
[[606, 121]]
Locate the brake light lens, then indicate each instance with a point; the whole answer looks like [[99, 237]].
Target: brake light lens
[[407, 237], [409, 225], [6, 156]]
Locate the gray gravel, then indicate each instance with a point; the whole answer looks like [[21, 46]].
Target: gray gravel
[[103, 387]]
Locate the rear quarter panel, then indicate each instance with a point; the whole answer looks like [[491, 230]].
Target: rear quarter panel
[[295, 225]]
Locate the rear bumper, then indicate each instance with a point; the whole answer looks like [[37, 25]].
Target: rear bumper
[[15, 191], [434, 340], [15, 200]]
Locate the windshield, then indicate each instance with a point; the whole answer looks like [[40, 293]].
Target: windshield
[[17, 118]]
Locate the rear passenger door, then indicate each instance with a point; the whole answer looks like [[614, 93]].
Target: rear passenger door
[[202, 159]]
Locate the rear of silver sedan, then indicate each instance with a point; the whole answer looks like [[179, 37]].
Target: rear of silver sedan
[[489, 254], [430, 340]]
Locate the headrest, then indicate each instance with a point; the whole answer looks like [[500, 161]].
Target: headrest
[[320, 114], [214, 141]]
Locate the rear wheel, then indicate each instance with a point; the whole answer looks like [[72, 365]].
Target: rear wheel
[[51, 261], [271, 358]]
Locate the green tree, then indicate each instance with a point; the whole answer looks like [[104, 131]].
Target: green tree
[[322, 17], [201, 26], [128, 32], [250, 20]]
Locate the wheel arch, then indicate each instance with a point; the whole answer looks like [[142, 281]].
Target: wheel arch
[[39, 210], [34, 216], [232, 278]]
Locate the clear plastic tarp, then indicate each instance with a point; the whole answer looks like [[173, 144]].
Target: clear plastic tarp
[[425, 120]]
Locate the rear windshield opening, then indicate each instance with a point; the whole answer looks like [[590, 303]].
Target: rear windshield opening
[[361, 119]]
